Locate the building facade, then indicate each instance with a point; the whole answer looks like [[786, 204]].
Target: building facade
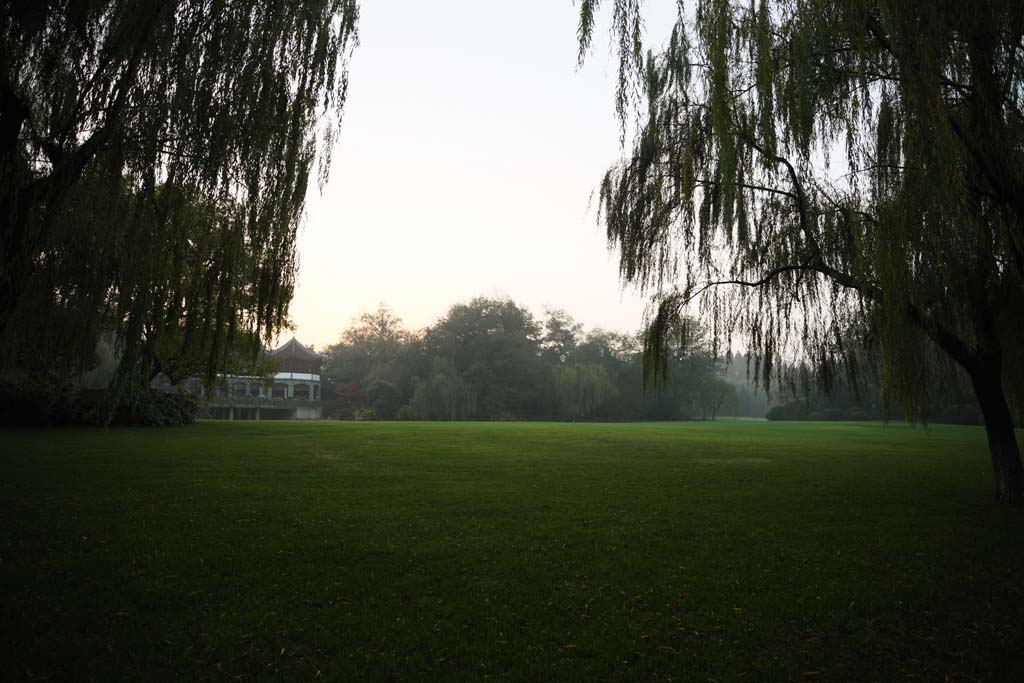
[[293, 394]]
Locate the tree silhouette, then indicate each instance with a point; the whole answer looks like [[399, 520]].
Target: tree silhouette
[[807, 172], [154, 161]]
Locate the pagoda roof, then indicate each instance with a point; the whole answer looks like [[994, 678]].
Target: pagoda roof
[[295, 349]]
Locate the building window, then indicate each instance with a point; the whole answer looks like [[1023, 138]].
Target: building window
[[280, 391], [301, 391], [238, 389], [316, 392], [254, 390]]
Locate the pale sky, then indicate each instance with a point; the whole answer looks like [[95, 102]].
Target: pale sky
[[469, 150]]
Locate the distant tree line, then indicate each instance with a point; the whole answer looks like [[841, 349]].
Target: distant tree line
[[492, 359]]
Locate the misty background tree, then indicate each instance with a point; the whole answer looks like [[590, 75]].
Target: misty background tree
[[492, 359], [821, 177], [369, 348], [154, 161]]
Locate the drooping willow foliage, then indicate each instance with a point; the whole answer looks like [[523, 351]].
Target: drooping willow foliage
[[154, 160], [823, 176]]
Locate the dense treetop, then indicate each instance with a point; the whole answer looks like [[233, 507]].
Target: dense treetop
[[492, 359]]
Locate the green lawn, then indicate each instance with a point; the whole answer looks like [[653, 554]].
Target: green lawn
[[726, 551]]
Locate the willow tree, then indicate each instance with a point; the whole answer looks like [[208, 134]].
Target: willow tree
[[802, 169], [154, 161]]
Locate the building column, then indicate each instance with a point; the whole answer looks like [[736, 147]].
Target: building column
[[231, 412]]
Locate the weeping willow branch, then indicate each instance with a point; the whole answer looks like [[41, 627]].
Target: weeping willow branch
[[154, 161]]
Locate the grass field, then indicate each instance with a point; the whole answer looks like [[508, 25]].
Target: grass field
[[725, 551]]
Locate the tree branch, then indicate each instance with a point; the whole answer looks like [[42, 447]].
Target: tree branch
[[798, 189], [771, 275], [749, 186], [74, 163]]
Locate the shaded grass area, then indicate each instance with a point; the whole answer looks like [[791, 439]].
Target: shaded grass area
[[412, 551]]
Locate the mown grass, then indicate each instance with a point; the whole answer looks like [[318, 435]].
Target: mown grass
[[730, 550]]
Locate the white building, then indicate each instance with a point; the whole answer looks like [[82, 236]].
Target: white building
[[294, 394]]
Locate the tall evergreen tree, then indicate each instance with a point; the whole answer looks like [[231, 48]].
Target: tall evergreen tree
[[801, 168], [154, 161]]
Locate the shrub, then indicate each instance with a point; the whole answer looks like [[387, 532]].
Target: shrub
[[345, 400], [365, 414], [959, 414], [797, 409], [20, 406], [385, 398], [89, 407], [405, 413], [154, 407], [794, 410], [35, 407]]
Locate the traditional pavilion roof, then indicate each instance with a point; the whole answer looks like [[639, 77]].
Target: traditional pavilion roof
[[295, 349]]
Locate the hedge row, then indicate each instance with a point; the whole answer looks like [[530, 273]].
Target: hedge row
[[961, 414], [35, 407]]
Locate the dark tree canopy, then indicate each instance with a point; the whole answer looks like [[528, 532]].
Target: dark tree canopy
[[807, 172], [154, 160], [494, 345]]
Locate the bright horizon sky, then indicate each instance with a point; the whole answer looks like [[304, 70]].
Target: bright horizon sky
[[468, 154]]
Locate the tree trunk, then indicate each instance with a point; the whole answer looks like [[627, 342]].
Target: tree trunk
[[1002, 440], [718, 405]]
